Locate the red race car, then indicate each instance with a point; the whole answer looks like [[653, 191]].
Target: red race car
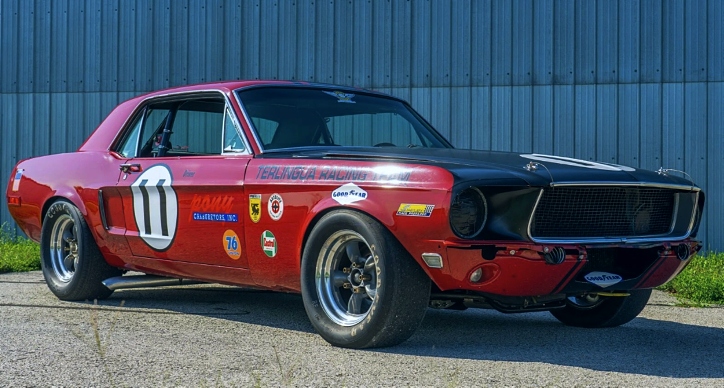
[[350, 198]]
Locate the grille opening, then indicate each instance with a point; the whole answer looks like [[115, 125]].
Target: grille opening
[[627, 262], [602, 212]]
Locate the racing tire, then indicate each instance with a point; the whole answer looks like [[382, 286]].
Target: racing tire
[[360, 288], [72, 264], [608, 312]]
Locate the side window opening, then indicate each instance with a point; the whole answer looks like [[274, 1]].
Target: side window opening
[[201, 126]]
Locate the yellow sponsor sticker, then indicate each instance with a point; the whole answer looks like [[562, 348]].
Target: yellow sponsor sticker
[[255, 207], [232, 246], [415, 210]]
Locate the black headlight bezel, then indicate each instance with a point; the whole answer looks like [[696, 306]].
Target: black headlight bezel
[[455, 216]]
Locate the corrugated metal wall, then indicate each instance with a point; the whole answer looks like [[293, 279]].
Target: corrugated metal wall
[[637, 82]]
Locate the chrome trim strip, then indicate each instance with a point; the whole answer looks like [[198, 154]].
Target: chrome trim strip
[[238, 128], [638, 239], [248, 121], [629, 184]]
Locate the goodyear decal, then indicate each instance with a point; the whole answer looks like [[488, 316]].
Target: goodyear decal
[[349, 193], [231, 244], [255, 207], [269, 243], [603, 279], [415, 210]]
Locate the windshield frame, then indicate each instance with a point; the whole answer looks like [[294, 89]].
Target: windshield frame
[[423, 124]]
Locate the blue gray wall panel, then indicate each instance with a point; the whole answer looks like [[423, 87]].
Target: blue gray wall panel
[[637, 82]]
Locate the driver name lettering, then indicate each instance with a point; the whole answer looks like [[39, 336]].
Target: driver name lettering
[[327, 173]]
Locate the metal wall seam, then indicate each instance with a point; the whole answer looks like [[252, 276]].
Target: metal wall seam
[[361, 45], [160, 45], [695, 44], [344, 55], [522, 43], [628, 125], [502, 115], [607, 123], [650, 124], [585, 42], [715, 161], [460, 114], [440, 44], [324, 42], [673, 41], [672, 125], [250, 39], [629, 41], [481, 43], [421, 61], [522, 119], [381, 52], [286, 52], [695, 133], [542, 46], [59, 47], [481, 118], [305, 43], [564, 120], [715, 39], [564, 42], [502, 36], [25, 45], [585, 129], [110, 54], [401, 36], [214, 47], [126, 45], [542, 127], [650, 47], [607, 30], [268, 46], [461, 62], [9, 47]]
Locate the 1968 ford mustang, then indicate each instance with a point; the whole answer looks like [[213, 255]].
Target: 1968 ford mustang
[[350, 198]]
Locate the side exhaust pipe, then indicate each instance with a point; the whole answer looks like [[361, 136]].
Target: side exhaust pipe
[[141, 281]]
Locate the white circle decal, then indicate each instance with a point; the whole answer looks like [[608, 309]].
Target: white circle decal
[[155, 207], [576, 162], [275, 207]]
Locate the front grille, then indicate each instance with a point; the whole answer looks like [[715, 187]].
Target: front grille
[[602, 212]]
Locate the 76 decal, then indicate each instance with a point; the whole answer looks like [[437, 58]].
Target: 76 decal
[[155, 207]]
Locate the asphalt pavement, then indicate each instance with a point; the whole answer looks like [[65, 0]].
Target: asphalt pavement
[[213, 335]]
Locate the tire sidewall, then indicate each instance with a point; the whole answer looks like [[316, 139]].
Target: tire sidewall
[[363, 332], [60, 288]]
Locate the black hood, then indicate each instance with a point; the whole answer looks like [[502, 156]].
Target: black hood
[[504, 167]]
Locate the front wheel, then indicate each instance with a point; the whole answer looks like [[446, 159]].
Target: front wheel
[[72, 264], [597, 311], [360, 288]]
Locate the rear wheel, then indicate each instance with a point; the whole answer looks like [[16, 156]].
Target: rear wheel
[[72, 265], [598, 311], [360, 288]]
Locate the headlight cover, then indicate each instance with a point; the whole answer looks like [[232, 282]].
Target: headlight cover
[[468, 213]]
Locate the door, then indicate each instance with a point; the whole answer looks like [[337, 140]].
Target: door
[[182, 185]]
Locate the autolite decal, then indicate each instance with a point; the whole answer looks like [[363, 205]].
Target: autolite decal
[[603, 279], [415, 210], [269, 243]]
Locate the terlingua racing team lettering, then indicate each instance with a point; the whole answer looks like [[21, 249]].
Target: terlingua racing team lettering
[[155, 207]]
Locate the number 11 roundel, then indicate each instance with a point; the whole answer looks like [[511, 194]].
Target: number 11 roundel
[[155, 207]]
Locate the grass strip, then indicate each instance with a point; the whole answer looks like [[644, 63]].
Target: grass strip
[[18, 254], [701, 282]]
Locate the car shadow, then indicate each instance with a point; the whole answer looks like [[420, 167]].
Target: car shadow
[[643, 346]]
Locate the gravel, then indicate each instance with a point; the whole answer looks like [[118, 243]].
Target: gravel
[[212, 335]]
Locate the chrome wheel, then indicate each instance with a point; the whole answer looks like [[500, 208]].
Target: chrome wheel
[[585, 301], [346, 278], [64, 248]]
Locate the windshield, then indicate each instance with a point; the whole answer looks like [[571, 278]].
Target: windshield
[[299, 117]]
